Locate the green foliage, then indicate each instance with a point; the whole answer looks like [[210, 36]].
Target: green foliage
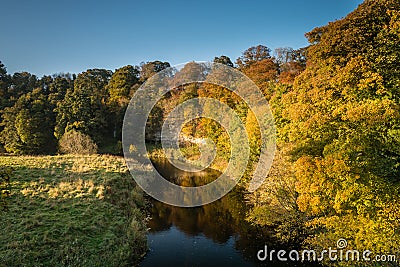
[[28, 125], [57, 87], [92, 103], [223, 60], [121, 84], [148, 69], [74, 142], [21, 83], [84, 108], [5, 81]]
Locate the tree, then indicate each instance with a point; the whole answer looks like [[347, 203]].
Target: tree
[[21, 83], [259, 66], [73, 112], [58, 87], [291, 63], [192, 71], [148, 69], [5, 81], [341, 122], [28, 125], [254, 134], [223, 60], [84, 108], [252, 55], [283, 55], [122, 85]]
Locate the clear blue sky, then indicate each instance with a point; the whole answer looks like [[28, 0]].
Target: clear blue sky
[[45, 37]]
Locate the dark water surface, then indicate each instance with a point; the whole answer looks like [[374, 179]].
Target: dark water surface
[[216, 234]]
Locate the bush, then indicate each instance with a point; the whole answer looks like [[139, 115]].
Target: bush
[[74, 142]]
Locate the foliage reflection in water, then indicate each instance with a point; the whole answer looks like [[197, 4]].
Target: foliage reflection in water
[[216, 234]]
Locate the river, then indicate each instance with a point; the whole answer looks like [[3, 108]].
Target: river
[[216, 234]]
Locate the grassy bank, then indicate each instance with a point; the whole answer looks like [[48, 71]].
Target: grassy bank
[[71, 211]]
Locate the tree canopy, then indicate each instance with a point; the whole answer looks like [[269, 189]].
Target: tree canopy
[[339, 127]]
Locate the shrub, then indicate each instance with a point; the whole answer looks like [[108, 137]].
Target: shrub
[[74, 142]]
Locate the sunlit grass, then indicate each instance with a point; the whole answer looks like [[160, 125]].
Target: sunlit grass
[[71, 211]]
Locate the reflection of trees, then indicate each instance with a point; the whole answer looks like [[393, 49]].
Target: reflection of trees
[[183, 178], [218, 221], [215, 220]]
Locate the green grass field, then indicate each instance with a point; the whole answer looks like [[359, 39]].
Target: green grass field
[[71, 211]]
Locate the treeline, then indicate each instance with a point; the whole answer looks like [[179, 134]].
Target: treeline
[[37, 113]]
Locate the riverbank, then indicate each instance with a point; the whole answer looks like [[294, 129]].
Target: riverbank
[[190, 151], [72, 211]]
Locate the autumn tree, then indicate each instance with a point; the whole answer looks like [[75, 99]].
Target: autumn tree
[[252, 55], [257, 63], [340, 121], [290, 62]]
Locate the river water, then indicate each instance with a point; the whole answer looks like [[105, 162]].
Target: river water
[[216, 234]]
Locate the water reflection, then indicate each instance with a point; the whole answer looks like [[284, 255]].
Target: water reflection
[[183, 178], [216, 234]]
